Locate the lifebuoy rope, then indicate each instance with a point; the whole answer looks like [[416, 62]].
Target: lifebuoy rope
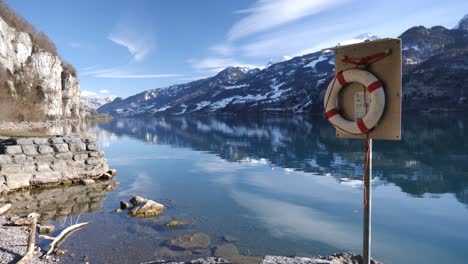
[[358, 63]]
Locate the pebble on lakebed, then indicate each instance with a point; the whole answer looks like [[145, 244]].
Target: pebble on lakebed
[[174, 223]]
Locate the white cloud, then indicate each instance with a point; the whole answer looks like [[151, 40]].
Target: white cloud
[[104, 91], [136, 36], [268, 14], [88, 93], [118, 73], [222, 49]]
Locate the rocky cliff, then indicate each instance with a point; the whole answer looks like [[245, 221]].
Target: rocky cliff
[[35, 84]]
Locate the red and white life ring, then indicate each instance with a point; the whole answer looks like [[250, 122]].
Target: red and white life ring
[[375, 109]]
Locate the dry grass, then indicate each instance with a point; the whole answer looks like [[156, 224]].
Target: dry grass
[[22, 133], [19, 23], [39, 39], [68, 68]]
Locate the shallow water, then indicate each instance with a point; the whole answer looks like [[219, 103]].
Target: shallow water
[[282, 185]]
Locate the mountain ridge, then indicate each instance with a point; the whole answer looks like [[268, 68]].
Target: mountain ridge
[[297, 85]]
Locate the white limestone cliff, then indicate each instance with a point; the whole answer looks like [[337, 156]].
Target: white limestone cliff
[[35, 84]]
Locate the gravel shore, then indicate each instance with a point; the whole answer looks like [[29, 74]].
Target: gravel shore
[[13, 244]]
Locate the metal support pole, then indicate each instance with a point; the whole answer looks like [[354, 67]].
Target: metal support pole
[[366, 242]]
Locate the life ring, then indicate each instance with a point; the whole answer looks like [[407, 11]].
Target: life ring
[[375, 109]]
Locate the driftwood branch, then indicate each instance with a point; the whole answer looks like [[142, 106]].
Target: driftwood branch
[[5, 208], [56, 241], [32, 239]]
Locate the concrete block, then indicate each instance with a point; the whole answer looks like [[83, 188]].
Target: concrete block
[[96, 154], [20, 158], [10, 168], [18, 180], [92, 146], [80, 157], [28, 167], [77, 147], [45, 149], [29, 149], [5, 159], [43, 167], [45, 178], [40, 141], [72, 140], [56, 140], [93, 161], [64, 156], [44, 158], [24, 141], [61, 148], [59, 165], [13, 150]]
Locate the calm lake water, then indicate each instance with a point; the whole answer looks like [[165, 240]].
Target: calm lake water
[[281, 185]]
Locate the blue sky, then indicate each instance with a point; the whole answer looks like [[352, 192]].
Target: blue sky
[[125, 47]]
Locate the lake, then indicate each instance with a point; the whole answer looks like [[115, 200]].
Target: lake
[[279, 186]]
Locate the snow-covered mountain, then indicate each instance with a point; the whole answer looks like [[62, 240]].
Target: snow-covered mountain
[[435, 62], [93, 103], [463, 24], [359, 39]]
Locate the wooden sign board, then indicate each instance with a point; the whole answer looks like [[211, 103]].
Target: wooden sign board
[[388, 71]]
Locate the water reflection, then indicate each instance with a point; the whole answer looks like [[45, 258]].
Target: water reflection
[[432, 158], [58, 203]]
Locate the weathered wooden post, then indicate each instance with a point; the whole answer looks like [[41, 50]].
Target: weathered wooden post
[[363, 101]]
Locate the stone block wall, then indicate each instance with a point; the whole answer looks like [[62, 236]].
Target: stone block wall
[[30, 162]]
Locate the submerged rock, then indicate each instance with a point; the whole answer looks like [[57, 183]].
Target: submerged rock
[[199, 240], [174, 223], [143, 207], [226, 251]]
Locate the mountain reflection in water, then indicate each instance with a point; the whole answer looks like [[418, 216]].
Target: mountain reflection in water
[[431, 159]]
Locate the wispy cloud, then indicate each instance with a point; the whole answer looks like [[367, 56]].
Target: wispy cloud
[[268, 14], [119, 73], [137, 36]]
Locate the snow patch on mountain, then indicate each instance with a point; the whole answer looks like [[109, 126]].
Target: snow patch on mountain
[[359, 39], [93, 103]]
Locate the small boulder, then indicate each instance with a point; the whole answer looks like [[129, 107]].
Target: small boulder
[[45, 229], [112, 186], [143, 207], [124, 205]]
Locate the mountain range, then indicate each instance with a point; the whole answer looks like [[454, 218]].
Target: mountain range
[[435, 63], [93, 103]]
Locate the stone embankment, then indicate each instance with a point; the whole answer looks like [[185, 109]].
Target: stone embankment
[[35, 162]]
